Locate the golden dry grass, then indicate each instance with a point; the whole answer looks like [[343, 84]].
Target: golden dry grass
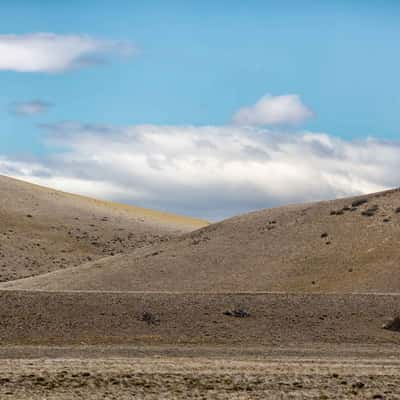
[[171, 377]]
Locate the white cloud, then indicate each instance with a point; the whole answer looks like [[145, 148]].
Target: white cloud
[[29, 107], [274, 110], [209, 171], [48, 52]]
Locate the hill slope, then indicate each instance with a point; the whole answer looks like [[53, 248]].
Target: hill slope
[[43, 230], [344, 245]]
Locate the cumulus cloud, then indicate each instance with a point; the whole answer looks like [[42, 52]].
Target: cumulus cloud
[[28, 108], [48, 52], [209, 171], [274, 110]]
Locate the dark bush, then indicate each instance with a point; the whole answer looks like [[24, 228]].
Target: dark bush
[[237, 312], [370, 211], [337, 212], [150, 318], [393, 325], [359, 202]]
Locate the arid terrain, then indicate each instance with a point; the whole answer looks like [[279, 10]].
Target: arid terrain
[[339, 246], [255, 375], [102, 300], [43, 230]]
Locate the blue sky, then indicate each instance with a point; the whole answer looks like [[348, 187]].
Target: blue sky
[[197, 63]]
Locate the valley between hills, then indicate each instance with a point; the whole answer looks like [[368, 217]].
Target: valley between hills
[[122, 301]]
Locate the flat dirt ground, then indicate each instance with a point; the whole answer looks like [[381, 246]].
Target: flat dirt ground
[[66, 318], [96, 345], [199, 373]]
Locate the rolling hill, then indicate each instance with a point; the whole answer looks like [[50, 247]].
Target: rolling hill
[[341, 246], [43, 230]]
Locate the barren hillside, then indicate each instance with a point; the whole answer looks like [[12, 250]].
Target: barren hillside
[[346, 245], [43, 230]]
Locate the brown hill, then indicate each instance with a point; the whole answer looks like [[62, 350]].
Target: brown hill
[[346, 245], [43, 230]]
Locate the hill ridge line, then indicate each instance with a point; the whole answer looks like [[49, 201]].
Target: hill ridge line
[[148, 212]]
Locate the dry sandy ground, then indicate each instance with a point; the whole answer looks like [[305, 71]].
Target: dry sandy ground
[[43, 230], [275, 319], [334, 246], [174, 377]]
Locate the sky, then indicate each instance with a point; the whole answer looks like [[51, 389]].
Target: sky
[[208, 108]]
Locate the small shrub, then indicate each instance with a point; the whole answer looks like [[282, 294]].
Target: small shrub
[[393, 325], [150, 318], [370, 211], [238, 313], [337, 212], [359, 202]]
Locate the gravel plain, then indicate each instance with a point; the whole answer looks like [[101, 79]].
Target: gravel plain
[[167, 377]]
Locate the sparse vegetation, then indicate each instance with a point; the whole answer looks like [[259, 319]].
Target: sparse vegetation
[[359, 202], [370, 212], [393, 325], [337, 212], [150, 318], [237, 312]]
